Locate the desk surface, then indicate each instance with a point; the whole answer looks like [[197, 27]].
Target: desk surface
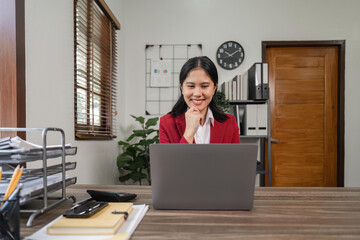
[[278, 213]]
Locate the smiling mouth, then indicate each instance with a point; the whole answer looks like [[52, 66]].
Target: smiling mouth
[[197, 101]]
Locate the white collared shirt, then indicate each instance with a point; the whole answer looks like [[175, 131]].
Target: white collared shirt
[[202, 135]]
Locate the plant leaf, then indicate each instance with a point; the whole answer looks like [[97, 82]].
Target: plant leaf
[[122, 160], [136, 133], [137, 163], [141, 133], [125, 177], [134, 159], [122, 143], [156, 138], [137, 176], [126, 168], [147, 142], [139, 119], [151, 122], [132, 150]]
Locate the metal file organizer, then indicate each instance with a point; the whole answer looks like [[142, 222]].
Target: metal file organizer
[[261, 168], [43, 173]]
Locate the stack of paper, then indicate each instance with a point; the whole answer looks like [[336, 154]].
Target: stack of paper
[[125, 231], [16, 150], [18, 145], [34, 188]]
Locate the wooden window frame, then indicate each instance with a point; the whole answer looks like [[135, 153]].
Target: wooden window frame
[[95, 56]]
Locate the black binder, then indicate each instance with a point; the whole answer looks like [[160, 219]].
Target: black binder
[[258, 81], [265, 80]]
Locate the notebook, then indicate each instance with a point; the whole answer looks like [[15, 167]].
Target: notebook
[[101, 223], [203, 176]]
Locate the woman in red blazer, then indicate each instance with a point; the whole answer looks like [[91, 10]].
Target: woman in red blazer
[[195, 118]]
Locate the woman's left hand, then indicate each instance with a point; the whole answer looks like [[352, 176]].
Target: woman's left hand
[[192, 118]]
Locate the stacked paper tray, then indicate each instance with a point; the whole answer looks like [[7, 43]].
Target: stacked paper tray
[[14, 156], [34, 189]]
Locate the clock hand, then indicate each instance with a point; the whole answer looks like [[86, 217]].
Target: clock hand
[[234, 53], [228, 54]]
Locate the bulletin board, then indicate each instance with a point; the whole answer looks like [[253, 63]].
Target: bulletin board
[[163, 63]]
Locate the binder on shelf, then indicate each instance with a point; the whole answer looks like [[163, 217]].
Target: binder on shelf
[[256, 119], [265, 80], [258, 81], [244, 86], [262, 119], [238, 87], [227, 89], [254, 81], [251, 120], [234, 88]]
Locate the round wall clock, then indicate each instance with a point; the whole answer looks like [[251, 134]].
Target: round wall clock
[[230, 55]]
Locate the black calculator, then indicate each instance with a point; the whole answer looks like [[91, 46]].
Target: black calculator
[[85, 209], [111, 196]]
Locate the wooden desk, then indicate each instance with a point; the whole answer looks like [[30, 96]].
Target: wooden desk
[[278, 213]]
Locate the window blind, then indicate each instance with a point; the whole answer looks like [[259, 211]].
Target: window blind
[[95, 70]]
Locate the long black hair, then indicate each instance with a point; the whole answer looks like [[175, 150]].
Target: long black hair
[[209, 67]]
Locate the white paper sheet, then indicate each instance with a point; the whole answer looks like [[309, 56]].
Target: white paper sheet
[[161, 73]]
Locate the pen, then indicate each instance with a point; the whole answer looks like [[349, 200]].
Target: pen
[[0, 173], [77, 204], [89, 210], [94, 207]]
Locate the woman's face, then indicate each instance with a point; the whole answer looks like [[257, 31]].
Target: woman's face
[[198, 89]]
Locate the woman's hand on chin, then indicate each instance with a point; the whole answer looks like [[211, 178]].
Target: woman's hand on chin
[[192, 118]]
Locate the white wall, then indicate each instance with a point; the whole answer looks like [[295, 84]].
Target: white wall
[[49, 23], [50, 86]]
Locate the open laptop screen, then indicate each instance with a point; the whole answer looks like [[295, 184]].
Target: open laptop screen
[[203, 176]]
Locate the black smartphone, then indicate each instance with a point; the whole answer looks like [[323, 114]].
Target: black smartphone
[[111, 196], [85, 210]]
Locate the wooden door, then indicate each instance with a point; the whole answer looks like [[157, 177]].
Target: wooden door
[[304, 94], [12, 66]]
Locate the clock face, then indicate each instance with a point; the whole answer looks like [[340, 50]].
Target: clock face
[[230, 55]]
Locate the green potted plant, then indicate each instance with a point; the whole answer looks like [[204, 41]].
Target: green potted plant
[[134, 162], [221, 101]]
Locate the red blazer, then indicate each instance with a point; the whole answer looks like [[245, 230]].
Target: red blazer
[[171, 130]]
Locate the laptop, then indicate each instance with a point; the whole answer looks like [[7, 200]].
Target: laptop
[[203, 176]]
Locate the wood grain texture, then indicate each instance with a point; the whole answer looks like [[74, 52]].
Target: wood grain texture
[[303, 84], [300, 98], [311, 171], [12, 66], [305, 159], [299, 73], [278, 213], [308, 134], [298, 110], [303, 95], [298, 123], [300, 62]]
